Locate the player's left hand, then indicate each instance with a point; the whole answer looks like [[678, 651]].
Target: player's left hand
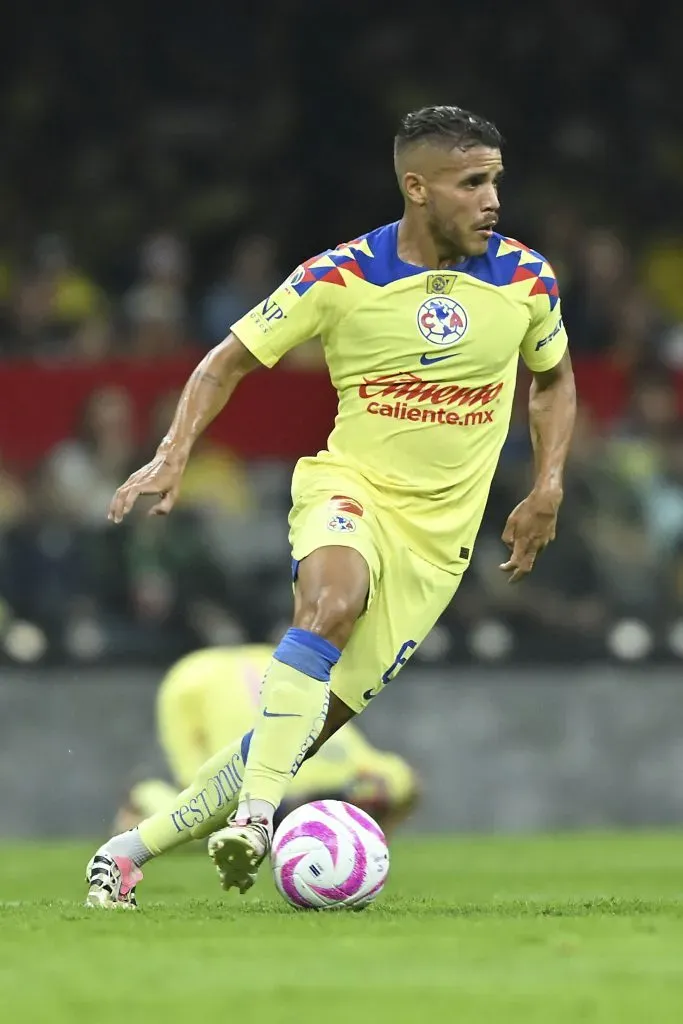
[[530, 528]]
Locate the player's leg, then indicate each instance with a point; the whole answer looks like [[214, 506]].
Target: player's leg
[[170, 818], [174, 819], [375, 648], [196, 812], [382, 643], [381, 782], [227, 707], [326, 771], [331, 592], [205, 685], [332, 587]]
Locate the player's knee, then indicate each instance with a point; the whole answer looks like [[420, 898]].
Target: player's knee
[[330, 613]]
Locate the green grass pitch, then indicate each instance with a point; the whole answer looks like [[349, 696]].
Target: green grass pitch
[[553, 930]]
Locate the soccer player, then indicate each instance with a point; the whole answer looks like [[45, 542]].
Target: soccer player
[[212, 695], [422, 323]]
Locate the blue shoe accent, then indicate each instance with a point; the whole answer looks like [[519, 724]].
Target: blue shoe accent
[[308, 653]]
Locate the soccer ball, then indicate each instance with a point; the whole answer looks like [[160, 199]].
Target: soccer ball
[[329, 854]]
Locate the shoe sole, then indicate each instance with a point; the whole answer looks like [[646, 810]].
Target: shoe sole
[[236, 861]]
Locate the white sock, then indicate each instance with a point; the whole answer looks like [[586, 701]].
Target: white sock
[[128, 844], [256, 809]]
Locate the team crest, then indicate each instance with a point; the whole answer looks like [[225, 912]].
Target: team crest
[[442, 321], [341, 524]]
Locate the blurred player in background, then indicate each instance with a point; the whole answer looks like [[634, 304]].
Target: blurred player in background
[[422, 322], [212, 695]]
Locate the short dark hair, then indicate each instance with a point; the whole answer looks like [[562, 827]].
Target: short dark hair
[[453, 125]]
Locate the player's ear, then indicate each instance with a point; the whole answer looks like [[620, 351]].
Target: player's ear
[[414, 188]]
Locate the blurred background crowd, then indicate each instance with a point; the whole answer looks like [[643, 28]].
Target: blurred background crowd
[[160, 174]]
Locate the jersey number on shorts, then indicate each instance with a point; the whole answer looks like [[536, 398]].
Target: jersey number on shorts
[[405, 650]]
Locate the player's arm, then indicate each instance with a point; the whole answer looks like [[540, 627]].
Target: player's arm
[[552, 409], [203, 397], [285, 319]]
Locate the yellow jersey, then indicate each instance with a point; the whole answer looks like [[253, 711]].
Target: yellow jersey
[[424, 363]]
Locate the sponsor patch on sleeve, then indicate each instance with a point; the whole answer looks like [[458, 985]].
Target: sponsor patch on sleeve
[[545, 341], [340, 503]]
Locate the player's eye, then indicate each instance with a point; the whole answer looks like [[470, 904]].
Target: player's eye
[[477, 180]]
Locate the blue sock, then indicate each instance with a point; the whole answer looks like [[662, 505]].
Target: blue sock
[[308, 653]]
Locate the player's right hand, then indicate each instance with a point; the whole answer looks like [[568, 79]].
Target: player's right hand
[[157, 477], [529, 529]]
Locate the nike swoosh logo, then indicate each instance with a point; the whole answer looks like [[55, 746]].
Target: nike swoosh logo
[[276, 714], [428, 360], [369, 694]]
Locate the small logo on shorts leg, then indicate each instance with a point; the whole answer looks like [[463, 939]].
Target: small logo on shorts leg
[[341, 524]]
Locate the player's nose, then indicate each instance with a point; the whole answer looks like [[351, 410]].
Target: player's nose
[[491, 201]]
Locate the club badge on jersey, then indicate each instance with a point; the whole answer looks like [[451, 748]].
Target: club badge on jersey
[[442, 321]]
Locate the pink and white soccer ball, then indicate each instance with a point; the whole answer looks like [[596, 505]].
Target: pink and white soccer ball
[[329, 854]]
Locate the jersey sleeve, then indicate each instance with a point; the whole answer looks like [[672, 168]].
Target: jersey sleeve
[[294, 313], [545, 342]]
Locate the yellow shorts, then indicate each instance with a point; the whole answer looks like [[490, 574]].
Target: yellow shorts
[[407, 594]]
